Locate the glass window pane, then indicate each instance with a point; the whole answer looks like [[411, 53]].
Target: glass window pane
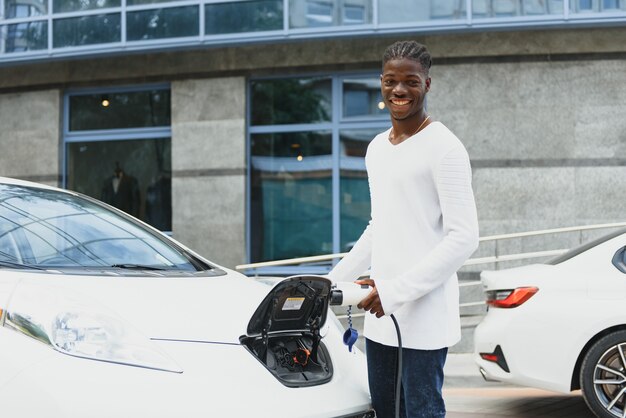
[[610, 4], [593, 6], [140, 109], [173, 22], [86, 30], [399, 11], [362, 97], [25, 8], [320, 13], [583, 6], [291, 195], [61, 6], [293, 100], [23, 37], [133, 175], [542, 7], [354, 189], [247, 16], [138, 2]]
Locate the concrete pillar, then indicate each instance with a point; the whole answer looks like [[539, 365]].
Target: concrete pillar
[[30, 136], [208, 164]]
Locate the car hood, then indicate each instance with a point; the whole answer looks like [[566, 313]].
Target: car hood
[[202, 309]]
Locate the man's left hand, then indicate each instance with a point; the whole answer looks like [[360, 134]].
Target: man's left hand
[[371, 303]]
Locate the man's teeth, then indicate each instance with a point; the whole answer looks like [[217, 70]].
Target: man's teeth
[[400, 102]]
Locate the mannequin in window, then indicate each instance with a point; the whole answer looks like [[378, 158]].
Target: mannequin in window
[[121, 191]]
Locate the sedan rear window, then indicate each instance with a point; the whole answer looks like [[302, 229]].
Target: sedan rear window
[[619, 259], [587, 246], [43, 228]]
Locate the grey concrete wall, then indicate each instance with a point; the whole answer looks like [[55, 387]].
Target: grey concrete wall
[[547, 140], [30, 136], [208, 164]]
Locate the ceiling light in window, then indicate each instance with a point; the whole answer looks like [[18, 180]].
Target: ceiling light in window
[[105, 101]]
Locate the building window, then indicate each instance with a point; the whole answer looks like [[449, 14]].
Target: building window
[[118, 150], [308, 185], [245, 16], [323, 13], [173, 22]]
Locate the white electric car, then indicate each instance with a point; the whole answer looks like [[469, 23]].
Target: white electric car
[[104, 316], [561, 326]]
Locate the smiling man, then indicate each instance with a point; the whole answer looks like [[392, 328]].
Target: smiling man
[[423, 227]]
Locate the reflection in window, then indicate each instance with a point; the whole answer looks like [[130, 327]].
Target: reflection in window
[[132, 175], [291, 195], [61, 6], [46, 228], [507, 8], [140, 109], [24, 8], [86, 30], [321, 13], [139, 2], [29, 36], [246, 16], [362, 97], [541, 7], [172, 22], [301, 100], [397, 11], [590, 6], [354, 188]]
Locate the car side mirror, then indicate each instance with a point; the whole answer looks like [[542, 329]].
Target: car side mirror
[[619, 259]]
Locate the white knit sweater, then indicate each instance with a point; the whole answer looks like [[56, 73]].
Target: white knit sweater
[[423, 227]]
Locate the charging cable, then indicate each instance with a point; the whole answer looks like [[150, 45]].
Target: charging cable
[[399, 371]]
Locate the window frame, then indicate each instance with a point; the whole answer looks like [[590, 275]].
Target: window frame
[[104, 135], [336, 125]]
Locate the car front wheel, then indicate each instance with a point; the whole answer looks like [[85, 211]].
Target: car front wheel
[[603, 376]]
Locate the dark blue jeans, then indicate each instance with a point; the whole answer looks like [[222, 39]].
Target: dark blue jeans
[[422, 379]]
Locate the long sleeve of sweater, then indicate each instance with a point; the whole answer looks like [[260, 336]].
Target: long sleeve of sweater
[[460, 240], [357, 261]]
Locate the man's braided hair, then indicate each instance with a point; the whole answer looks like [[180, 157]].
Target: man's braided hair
[[410, 50]]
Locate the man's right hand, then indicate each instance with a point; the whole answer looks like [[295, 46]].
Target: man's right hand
[[371, 303]]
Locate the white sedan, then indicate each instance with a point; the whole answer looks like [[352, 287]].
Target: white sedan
[[104, 316], [561, 326]]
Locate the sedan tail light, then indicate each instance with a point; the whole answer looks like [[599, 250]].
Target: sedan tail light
[[510, 298]]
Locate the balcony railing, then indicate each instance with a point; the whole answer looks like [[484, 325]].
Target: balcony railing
[[40, 29], [254, 269]]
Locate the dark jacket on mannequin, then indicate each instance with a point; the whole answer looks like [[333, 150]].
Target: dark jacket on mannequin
[[127, 196]]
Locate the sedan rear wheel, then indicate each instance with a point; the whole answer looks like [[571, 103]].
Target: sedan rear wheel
[[603, 376]]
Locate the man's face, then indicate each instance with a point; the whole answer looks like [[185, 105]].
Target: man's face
[[404, 85]]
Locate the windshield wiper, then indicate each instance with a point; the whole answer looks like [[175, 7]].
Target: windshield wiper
[[136, 267], [11, 264]]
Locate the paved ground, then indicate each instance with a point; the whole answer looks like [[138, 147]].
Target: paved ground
[[467, 395], [513, 402]]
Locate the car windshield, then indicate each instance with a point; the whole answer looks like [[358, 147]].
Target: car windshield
[[42, 228], [584, 247]]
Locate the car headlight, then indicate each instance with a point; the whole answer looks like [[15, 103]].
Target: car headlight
[[74, 325]]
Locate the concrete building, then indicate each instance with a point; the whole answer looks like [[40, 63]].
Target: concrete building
[[241, 126]]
